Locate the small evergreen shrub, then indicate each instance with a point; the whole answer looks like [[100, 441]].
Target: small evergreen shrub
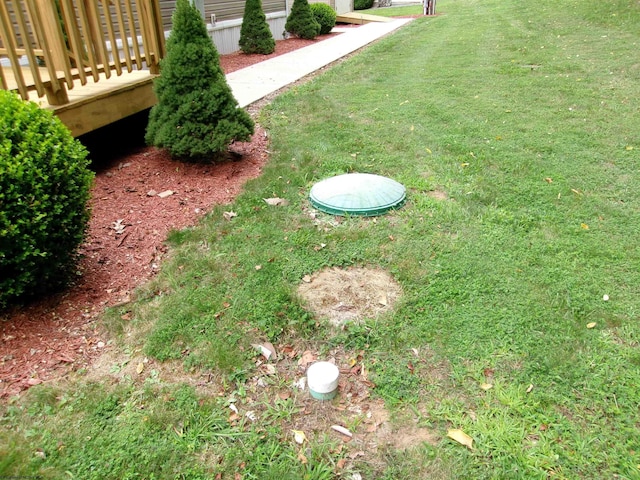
[[197, 116], [325, 16], [45, 187], [362, 4], [301, 21], [255, 34]]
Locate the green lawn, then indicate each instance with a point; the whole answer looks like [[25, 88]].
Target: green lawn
[[515, 129]]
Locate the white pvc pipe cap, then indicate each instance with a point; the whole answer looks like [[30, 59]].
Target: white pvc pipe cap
[[322, 379]]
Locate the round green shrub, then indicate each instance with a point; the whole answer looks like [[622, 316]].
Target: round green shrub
[[362, 4], [45, 186], [325, 16]]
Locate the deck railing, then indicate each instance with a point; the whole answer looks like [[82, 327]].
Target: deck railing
[[47, 46]]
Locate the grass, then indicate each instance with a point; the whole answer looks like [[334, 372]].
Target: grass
[[514, 128]]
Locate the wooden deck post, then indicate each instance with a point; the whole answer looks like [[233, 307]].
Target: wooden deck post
[[56, 58]]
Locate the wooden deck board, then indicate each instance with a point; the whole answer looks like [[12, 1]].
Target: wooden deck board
[[28, 77], [97, 104]]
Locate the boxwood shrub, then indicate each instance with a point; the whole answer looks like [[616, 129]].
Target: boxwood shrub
[[325, 16], [45, 187], [362, 4]]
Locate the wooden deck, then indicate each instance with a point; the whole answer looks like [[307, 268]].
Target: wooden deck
[[91, 62], [97, 104]]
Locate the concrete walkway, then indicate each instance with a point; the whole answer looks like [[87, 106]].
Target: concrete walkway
[[252, 83]]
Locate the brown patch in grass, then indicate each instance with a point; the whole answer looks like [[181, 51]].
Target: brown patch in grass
[[352, 294], [438, 194], [117, 367]]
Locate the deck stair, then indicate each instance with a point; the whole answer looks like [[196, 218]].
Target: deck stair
[[360, 18]]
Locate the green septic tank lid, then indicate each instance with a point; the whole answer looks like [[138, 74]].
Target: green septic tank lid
[[357, 194]]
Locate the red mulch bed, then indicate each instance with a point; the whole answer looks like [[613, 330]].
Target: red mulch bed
[[53, 336]]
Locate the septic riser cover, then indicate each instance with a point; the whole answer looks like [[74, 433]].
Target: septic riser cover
[[357, 194]]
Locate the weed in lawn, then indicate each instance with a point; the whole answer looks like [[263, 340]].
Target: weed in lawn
[[279, 409]]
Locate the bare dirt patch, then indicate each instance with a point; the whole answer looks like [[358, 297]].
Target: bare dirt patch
[[349, 295], [438, 194]]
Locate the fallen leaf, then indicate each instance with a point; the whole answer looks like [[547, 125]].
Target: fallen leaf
[[165, 194], [233, 408], [306, 359], [460, 437], [229, 215], [577, 192], [548, 180], [317, 248], [34, 381], [302, 458], [342, 430], [591, 324], [584, 226], [530, 388], [299, 436], [306, 279], [284, 395], [251, 415], [118, 226], [269, 369], [486, 386], [341, 463], [429, 151], [628, 148], [275, 201], [258, 267], [383, 300], [140, 368]]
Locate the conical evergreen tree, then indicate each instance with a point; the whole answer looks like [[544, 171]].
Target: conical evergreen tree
[[255, 34], [301, 21], [196, 116]]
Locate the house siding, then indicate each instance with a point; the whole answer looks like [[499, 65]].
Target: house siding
[[224, 19]]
